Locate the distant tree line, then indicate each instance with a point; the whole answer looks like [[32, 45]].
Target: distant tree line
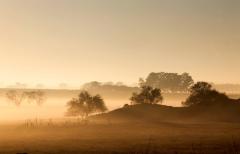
[[106, 86], [109, 89], [18, 97], [201, 94]]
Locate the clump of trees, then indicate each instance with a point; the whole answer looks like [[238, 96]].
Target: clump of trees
[[18, 97], [85, 105], [147, 95], [168, 82], [202, 93]]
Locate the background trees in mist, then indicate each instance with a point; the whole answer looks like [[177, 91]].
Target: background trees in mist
[[18, 97], [85, 105], [168, 82]]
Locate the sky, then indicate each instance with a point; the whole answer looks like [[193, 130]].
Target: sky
[[77, 41]]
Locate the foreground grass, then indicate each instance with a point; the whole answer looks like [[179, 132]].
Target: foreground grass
[[129, 138]]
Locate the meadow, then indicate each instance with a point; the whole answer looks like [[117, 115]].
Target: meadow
[[71, 137]]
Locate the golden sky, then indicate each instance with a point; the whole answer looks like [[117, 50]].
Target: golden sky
[[76, 41]]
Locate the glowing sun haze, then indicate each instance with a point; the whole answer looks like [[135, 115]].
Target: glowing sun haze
[[75, 41]]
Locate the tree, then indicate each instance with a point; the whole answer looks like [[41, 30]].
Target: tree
[[186, 82], [141, 82], [99, 105], [75, 108], [169, 82], [18, 97], [147, 95], [35, 96], [85, 105], [202, 93], [15, 97]]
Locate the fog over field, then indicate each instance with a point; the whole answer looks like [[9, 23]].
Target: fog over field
[[119, 77], [54, 107]]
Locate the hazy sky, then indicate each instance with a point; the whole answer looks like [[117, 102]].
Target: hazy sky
[[75, 41]]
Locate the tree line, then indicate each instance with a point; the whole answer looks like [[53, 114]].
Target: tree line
[[167, 82], [19, 97], [201, 94], [149, 92]]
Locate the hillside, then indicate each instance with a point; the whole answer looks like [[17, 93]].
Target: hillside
[[228, 112]]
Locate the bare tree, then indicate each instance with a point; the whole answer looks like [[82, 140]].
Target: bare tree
[[15, 97], [18, 97], [37, 97]]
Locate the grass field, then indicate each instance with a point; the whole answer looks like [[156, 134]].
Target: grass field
[[131, 138]]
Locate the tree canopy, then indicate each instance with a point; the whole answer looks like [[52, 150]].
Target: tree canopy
[[202, 93], [169, 82], [85, 105], [147, 95]]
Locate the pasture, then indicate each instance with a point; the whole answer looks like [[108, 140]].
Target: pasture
[[71, 137]]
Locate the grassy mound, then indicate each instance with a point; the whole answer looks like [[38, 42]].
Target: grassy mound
[[222, 112]]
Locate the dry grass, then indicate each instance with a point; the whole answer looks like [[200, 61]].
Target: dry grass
[[70, 137]]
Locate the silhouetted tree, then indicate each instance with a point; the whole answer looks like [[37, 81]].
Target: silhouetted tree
[[98, 104], [75, 108], [169, 81], [85, 105], [147, 95], [186, 81], [202, 93]]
